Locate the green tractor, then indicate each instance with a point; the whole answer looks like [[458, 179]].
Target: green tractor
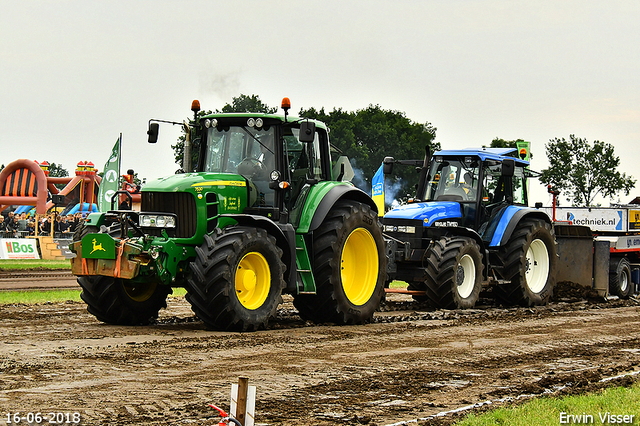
[[263, 211]]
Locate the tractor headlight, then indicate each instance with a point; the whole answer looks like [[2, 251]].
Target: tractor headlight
[[157, 221]]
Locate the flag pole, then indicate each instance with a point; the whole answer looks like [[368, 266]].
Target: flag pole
[[119, 157]]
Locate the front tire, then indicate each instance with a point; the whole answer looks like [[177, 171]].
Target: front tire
[[121, 302], [529, 263], [453, 273], [620, 278], [236, 280], [117, 301], [350, 267]]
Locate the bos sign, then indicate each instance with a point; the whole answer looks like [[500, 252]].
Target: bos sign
[[19, 248]]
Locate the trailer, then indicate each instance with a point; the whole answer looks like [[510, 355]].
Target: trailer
[[599, 247]]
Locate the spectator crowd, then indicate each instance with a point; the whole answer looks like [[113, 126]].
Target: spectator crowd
[[21, 225]]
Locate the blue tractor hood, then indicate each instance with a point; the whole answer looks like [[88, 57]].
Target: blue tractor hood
[[428, 213]]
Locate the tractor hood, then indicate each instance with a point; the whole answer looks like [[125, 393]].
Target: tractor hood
[[184, 181], [428, 213], [229, 192]]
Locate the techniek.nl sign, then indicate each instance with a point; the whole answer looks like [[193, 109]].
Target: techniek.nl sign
[[598, 219], [19, 248]]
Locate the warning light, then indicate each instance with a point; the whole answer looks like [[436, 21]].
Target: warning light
[[523, 153]]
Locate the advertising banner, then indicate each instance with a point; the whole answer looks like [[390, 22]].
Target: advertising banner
[[19, 248], [598, 219], [110, 181], [377, 190]]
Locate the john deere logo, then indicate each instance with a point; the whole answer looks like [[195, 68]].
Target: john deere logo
[[98, 246]]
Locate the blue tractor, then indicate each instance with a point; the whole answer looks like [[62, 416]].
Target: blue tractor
[[468, 225]]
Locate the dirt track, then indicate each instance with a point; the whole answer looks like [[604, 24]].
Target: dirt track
[[407, 365]]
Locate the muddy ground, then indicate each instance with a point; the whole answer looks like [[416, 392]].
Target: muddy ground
[[410, 364]]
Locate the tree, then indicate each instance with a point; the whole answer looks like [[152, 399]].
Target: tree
[[501, 143], [56, 170], [584, 171], [368, 135], [244, 103]]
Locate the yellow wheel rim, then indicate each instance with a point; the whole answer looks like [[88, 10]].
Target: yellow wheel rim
[[359, 266], [139, 293], [253, 280]]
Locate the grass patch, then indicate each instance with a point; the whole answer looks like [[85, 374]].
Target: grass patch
[[179, 292], [398, 284], [34, 264], [32, 297], [593, 408]]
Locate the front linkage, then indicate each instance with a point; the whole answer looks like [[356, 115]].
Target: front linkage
[[129, 245]]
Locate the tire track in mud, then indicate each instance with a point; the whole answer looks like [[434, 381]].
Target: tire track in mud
[[417, 364]]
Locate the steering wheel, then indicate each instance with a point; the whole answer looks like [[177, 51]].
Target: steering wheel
[[252, 168], [455, 190]]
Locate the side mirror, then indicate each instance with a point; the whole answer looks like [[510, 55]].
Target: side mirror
[[307, 131], [153, 132], [387, 165], [508, 167]]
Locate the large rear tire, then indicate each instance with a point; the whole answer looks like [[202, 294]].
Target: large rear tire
[[529, 263], [453, 273], [117, 301], [236, 280], [620, 278], [349, 269]]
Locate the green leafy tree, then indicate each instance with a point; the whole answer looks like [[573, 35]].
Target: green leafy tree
[[582, 170], [244, 103], [368, 135], [502, 143], [56, 170], [178, 148]]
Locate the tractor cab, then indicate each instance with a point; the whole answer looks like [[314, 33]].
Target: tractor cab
[[467, 188], [277, 158]]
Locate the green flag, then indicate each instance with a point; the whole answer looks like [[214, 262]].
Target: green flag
[[110, 179]]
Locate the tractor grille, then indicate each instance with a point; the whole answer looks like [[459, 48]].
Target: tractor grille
[[180, 203]]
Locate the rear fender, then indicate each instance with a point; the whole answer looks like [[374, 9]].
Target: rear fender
[[95, 219], [510, 218], [323, 197]]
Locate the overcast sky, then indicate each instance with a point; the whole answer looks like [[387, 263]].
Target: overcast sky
[[75, 74]]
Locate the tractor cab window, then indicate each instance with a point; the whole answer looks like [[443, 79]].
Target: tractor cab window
[[305, 165], [495, 190], [246, 151], [519, 186], [453, 179], [304, 158]]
